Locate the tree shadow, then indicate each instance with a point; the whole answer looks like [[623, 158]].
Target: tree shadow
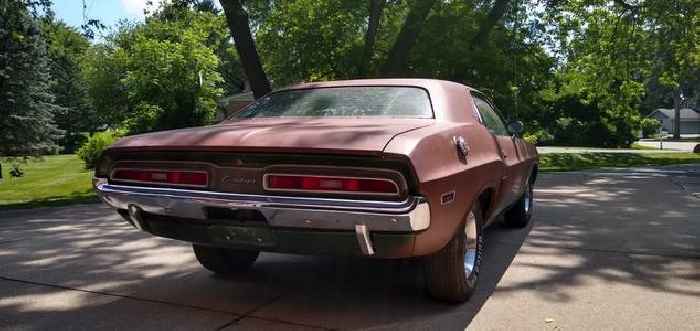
[[91, 249], [632, 231]]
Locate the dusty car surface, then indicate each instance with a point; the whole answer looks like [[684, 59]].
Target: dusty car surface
[[387, 168]]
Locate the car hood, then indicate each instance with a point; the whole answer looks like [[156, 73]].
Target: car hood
[[280, 135]]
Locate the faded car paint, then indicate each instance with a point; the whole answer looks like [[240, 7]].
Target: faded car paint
[[495, 166]]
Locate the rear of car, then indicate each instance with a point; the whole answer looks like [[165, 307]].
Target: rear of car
[[316, 204], [300, 171], [383, 168]]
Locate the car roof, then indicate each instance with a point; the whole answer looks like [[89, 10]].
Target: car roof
[[427, 84]]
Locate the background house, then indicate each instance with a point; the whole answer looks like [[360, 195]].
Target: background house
[[690, 120]]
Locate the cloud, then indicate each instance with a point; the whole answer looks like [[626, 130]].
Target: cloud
[[136, 7]]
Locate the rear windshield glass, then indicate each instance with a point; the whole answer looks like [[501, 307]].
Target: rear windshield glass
[[364, 101]]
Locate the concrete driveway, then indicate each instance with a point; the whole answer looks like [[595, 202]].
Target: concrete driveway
[[608, 250]]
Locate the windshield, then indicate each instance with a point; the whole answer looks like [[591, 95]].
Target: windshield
[[362, 101]]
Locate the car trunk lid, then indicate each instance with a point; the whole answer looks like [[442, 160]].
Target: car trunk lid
[[327, 135]]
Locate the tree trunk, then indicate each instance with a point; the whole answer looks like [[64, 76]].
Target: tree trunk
[[677, 114], [495, 14], [237, 19], [376, 7], [397, 62]]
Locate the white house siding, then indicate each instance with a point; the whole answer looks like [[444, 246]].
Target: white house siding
[[690, 122], [690, 127]]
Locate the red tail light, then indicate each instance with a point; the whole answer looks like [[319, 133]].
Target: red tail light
[[172, 177], [327, 184]]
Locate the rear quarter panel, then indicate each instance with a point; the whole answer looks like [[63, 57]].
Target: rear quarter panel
[[441, 170]]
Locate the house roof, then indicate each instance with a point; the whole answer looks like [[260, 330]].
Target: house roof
[[686, 114]]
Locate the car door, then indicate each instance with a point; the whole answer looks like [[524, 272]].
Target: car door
[[510, 151]]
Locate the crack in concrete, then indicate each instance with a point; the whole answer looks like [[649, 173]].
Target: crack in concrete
[[249, 312], [125, 296], [237, 319]]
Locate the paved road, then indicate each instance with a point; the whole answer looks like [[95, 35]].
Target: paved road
[[671, 145], [577, 150], [608, 250]]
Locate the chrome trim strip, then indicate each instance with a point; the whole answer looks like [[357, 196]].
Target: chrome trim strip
[[266, 186], [412, 214]]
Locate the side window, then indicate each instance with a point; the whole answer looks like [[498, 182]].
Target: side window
[[489, 117]]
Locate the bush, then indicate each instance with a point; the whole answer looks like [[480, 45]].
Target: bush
[[650, 127], [538, 137], [574, 121], [91, 150]]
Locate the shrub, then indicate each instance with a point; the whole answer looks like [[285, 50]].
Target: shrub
[[538, 137], [91, 150], [650, 127]]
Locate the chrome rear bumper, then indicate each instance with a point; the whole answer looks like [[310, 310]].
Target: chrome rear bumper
[[412, 214]]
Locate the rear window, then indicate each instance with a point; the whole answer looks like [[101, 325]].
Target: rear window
[[364, 101]]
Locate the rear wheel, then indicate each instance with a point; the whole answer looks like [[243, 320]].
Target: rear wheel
[[520, 214], [224, 261], [452, 273]]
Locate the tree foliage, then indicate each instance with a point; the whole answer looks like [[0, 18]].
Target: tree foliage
[[27, 104], [162, 74], [66, 49], [583, 72]]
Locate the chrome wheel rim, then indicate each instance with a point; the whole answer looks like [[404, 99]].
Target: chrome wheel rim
[[528, 200], [470, 246]]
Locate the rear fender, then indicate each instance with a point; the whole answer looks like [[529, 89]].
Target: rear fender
[[450, 182]]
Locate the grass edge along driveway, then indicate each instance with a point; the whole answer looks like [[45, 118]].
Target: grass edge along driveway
[[558, 162], [59, 180], [54, 180]]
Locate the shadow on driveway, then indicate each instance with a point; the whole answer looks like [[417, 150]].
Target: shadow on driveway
[[76, 265], [599, 240]]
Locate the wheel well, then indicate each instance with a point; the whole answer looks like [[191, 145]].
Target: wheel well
[[533, 176], [486, 201]]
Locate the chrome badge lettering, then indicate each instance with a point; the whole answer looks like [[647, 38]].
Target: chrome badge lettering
[[233, 180]]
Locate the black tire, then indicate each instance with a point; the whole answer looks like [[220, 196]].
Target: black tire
[[519, 215], [224, 261], [446, 274]]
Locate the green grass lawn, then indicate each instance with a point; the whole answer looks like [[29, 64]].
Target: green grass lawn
[[50, 181], [579, 161], [641, 147]]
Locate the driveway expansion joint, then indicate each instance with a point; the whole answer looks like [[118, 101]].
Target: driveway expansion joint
[[249, 314], [238, 317], [125, 296]]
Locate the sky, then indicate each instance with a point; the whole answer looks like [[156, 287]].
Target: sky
[[109, 12]]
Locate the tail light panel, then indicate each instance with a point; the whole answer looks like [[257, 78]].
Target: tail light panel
[[183, 178], [330, 184]]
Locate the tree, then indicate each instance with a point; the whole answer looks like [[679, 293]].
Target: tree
[[66, 48], [238, 22], [162, 74], [26, 103], [497, 11], [376, 8], [310, 40], [676, 38], [397, 62]]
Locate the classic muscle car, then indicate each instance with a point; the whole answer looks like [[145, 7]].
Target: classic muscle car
[[386, 168]]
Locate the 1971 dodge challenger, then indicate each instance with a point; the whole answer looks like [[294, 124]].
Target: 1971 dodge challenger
[[386, 168]]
